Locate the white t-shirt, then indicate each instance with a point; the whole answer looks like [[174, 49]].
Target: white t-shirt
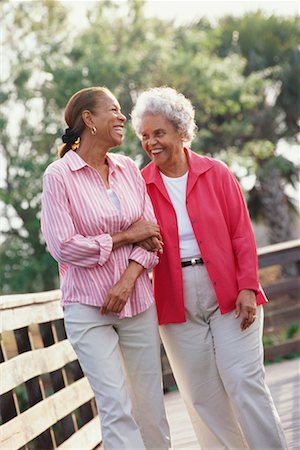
[[114, 199], [176, 188]]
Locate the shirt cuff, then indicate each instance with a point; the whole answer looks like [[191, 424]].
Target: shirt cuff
[[146, 259], [105, 246], [251, 285]]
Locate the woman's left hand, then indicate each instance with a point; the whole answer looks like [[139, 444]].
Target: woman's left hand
[[246, 308], [117, 297], [152, 244], [119, 294]]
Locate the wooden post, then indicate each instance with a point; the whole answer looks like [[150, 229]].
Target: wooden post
[[68, 424], [8, 404], [34, 388]]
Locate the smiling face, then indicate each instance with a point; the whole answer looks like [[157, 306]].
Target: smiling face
[[109, 122], [161, 141]]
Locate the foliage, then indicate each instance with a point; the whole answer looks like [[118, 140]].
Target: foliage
[[28, 137], [271, 43], [267, 198], [241, 76], [293, 330]]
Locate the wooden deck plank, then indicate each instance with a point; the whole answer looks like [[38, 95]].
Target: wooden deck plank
[[284, 383]]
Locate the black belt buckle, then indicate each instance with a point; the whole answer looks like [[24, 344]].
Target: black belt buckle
[[192, 262]]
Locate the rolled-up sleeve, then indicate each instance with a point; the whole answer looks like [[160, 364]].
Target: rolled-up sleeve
[[63, 242], [143, 257]]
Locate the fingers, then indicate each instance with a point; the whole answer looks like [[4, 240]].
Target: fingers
[[103, 310], [251, 316], [245, 324], [146, 223], [246, 308], [116, 298], [145, 229], [157, 245], [152, 245], [154, 231], [237, 310], [146, 245], [112, 308], [112, 304], [248, 320]]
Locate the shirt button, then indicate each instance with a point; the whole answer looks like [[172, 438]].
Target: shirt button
[[206, 262], [200, 242], [215, 283]]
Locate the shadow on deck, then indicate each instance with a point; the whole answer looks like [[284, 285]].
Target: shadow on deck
[[284, 383]]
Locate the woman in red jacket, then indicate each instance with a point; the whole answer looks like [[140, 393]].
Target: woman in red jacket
[[207, 292]]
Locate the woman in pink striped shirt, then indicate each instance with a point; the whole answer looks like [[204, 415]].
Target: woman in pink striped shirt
[[95, 209]]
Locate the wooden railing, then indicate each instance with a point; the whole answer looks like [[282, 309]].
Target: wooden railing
[[284, 295], [46, 402]]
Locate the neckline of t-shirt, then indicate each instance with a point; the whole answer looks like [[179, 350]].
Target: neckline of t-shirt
[[175, 179]]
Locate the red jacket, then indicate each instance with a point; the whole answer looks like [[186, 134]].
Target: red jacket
[[222, 227]]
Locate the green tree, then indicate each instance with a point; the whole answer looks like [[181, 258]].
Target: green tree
[[126, 53], [268, 195], [49, 59], [270, 45], [28, 136]]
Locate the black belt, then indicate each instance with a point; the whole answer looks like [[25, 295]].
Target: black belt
[[192, 262]]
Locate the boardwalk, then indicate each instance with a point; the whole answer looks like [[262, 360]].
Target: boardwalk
[[284, 382]]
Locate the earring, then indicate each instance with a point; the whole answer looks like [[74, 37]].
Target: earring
[[76, 144], [93, 130]]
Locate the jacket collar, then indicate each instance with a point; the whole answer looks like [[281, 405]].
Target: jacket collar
[[75, 162], [197, 166]]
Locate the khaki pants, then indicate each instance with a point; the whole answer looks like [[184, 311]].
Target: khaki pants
[[219, 371], [121, 359]]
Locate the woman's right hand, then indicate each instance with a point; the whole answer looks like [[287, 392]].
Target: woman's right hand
[[152, 244], [139, 231], [142, 230]]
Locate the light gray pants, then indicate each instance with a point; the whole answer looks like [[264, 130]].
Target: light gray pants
[[219, 371], [121, 359]]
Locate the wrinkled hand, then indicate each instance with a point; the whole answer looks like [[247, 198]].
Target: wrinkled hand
[[152, 244], [117, 297], [142, 229], [246, 308]]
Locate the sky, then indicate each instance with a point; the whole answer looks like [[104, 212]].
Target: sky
[[186, 11], [189, 10]]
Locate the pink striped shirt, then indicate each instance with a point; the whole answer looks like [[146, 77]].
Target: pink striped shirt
[[78, 220]]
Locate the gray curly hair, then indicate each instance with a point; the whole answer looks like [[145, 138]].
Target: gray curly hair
[[169, 103]]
